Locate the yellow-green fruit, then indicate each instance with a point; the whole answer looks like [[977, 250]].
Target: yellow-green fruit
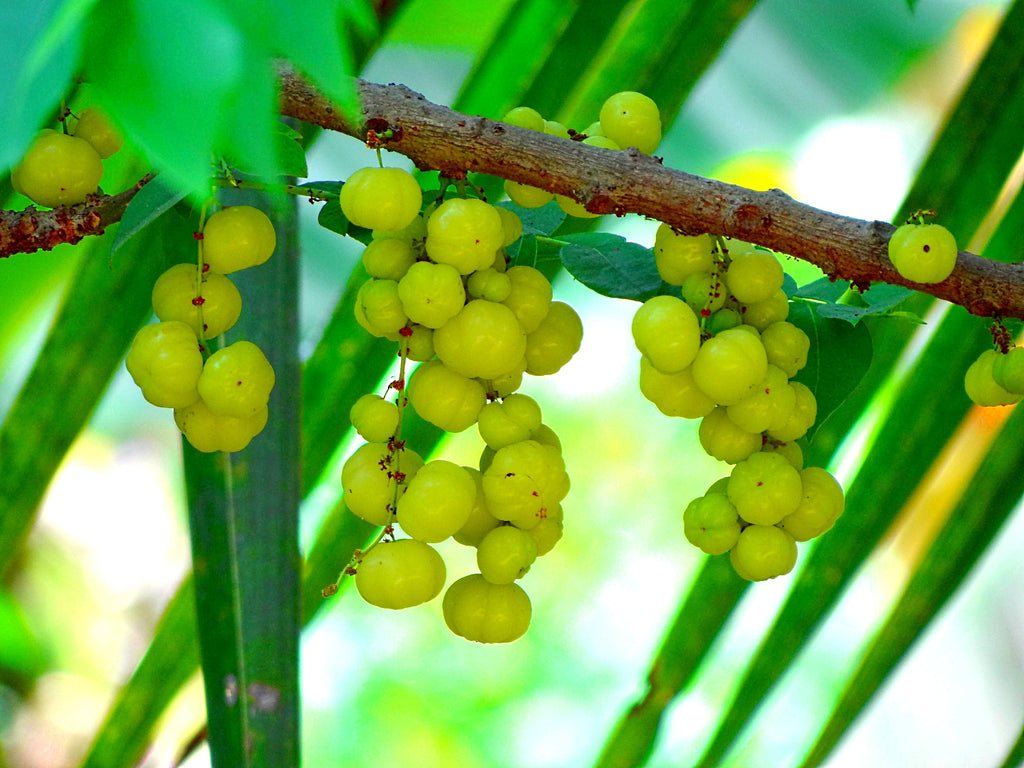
[[1008, 370], [924, 253], [553, 343], [237, 380], [381, 198], [374, 418], [437, 502], [675, 394], [821, 504], [400, 574], [176, 297], [679, 256], [980, 385], [505, 554], [526, 196], [446, 399], [58, 170], [237, 238], [486, 613], [711, 524], [95, 127], [524, 117], [667, 333], [631, 119], [165, 362], [371, 477], [208, 432], [464, 233], [763, 552]]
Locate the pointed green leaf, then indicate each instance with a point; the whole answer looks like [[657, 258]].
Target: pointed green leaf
[[712, 597], [243, 519], [839, 356], [331, 217], [989, 498], [611, 265], [38, 66], [149, 203]]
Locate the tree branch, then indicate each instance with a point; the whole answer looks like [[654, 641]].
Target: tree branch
[[437, 138], [33, 230], [606, 181]]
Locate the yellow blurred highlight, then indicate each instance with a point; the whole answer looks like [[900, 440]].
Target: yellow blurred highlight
[[759, 170], [941, 488]]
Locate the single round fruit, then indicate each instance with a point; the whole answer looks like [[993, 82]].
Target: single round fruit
[[786, 346], [431, 294], [237, 380], [679, 256], [237, 238], [530, 297], [553, 343], [369, 478], [58, 170], [176, 297], [924, 253], [486, 613], [95, 127], [400, 574], [721, 438], [509, 421], [484, 340], [526, 196], [675, 394], [667, 333], [711, 523], [763, 552], [446, 399], [465, 233], [505, 554], [379, 309], [753, 275], [166, 364], [524, 117], [208, 432], [374, 418], [764, 488], [631, 119], [1008, 371], [821, 504], [389, 258], [728, 366], [437, 501], [381, 198]]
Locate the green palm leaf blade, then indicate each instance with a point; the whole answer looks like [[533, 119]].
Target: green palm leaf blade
[[171, 659], [660, 48], [985, 505], [1016, 754], [80, 355], [712, 597], [243, 520], [908, 443], [346, 363], [981, 140], [500, 76]]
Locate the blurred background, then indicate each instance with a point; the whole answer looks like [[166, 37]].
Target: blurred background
[[834, 103]]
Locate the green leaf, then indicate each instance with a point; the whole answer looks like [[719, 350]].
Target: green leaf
[[38, 57], [611, 265], [986, 503], [74, 367], [331, 217], [243, 519], [981, 141], [171, 659], [712, 596], [839, 356], [22, 658], [501, 74], [537, 221], [152, 201]]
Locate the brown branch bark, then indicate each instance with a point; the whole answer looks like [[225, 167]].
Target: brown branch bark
[[437, 138], [605, 181], [33, 230]]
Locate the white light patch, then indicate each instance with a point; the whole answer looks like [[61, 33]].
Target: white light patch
[[854, 167]]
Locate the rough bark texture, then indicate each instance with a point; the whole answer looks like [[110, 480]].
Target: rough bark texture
[[608, 182]]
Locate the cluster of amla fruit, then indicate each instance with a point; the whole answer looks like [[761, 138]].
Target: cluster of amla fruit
[[720, 349], [219, 398], [441, 288]]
